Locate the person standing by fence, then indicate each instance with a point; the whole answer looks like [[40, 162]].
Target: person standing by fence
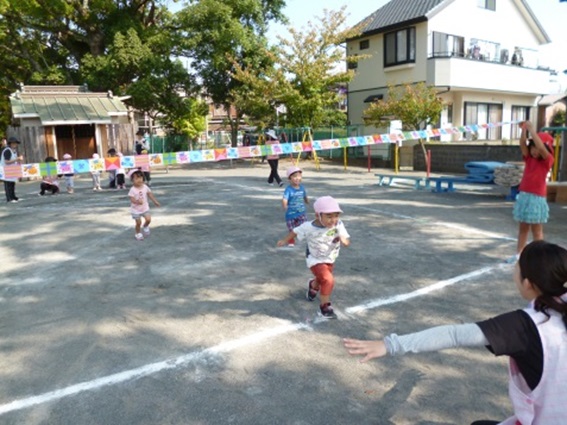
[[10, 157], [273, 160]]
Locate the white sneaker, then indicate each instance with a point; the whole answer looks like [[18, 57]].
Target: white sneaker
[[139, 237], [146, 231]]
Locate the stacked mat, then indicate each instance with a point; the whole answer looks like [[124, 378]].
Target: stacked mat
[[510, 175], [482, 171]]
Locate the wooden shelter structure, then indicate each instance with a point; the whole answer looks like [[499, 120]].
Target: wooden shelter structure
[[54, 120]]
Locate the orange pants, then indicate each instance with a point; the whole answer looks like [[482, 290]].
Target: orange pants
[[324, 279]]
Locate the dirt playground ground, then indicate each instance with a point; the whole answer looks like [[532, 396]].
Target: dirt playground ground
[[206, 321]]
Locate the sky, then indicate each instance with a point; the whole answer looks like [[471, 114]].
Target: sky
[[551, 14]]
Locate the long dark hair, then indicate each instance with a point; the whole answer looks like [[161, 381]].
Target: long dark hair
[[544, 264]]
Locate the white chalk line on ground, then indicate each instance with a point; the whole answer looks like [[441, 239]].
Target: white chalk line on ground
[[225, 347], [228, 346]]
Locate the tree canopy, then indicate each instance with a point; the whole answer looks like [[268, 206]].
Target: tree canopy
[[304, 75], [416, 105], [166, 61]]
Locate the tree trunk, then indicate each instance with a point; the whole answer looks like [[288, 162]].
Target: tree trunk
[[425, 156]]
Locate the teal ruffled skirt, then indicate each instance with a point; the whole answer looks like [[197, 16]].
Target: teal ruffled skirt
[[530, 208]]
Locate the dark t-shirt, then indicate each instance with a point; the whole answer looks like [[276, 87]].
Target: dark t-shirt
[[515, 334]]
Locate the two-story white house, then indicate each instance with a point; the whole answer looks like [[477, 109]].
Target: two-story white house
[[481, 55]]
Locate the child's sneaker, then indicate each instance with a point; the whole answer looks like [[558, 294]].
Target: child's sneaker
[[146, 231], [139, 237], [311, 293], [326, 311]]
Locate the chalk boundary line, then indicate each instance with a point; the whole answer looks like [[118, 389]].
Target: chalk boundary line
[[229, 346], [225, 347]]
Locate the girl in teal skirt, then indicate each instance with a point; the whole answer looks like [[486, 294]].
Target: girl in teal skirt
[[531, 210]]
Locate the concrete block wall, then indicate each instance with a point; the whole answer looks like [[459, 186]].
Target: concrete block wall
[[452, 158]]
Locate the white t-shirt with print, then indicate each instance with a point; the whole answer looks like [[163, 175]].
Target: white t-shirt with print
[[323, 243]]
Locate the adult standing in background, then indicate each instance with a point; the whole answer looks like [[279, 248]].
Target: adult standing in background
[[10, 157], [273, 160], [140, 143]]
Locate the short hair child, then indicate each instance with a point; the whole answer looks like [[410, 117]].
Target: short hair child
[[324, 237], [139, 206], [294, 200]]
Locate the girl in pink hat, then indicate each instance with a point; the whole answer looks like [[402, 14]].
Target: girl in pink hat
[[324, 237]]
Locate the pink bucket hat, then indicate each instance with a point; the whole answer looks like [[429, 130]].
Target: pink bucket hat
[[293, 169]]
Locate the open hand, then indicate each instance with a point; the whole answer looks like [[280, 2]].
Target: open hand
[[368, 349]]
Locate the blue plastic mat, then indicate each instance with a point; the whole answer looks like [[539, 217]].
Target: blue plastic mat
[[482, 167]]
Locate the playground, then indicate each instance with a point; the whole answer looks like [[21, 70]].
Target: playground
[[206, 321]]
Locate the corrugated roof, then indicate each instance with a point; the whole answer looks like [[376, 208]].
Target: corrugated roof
[[66, 107], [397, 12]]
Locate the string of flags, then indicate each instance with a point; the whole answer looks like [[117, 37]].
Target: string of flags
[[78, 166]]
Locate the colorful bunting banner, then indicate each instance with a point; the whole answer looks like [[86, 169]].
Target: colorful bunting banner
[[79, 166]]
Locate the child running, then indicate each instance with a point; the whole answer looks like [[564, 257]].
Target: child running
[[531, 209], [534, 338], [139, 206], [294, 200], [324, 237]]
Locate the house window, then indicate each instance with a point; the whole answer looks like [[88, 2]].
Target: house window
[[445, 45], [399, 47], [364, 44], [483, 113], [519, 113], [487, 4]]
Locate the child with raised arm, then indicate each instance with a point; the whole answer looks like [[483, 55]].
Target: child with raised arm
[[139, 205], [294, 200], [531, 210], [324, 237], [534, 338]]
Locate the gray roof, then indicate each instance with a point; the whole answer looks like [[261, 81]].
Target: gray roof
[[397, 12]]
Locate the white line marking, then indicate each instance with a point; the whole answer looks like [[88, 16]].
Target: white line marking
[[224, 347], [422, 291], [434, 223]]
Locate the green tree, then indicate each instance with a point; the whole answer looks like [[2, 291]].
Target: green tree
[[215, 34], [304, 74], [110, 44], [194, 122], [310, 70], [416, 105]]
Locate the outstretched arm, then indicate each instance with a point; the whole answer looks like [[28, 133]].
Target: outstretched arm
[[291, 235], [432, 339]]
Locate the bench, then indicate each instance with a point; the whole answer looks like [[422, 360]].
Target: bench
[[388, 179], [449, 182]]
